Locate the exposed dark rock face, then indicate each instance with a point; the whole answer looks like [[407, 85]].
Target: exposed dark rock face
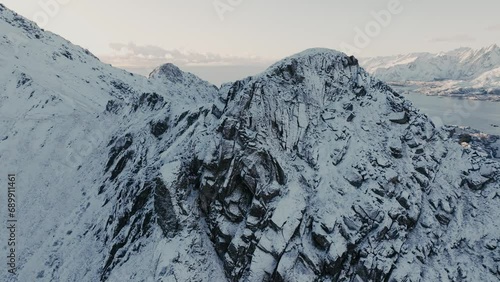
[[158, 128], [299, 182], [270, 213], [166, 216], [149, 101]]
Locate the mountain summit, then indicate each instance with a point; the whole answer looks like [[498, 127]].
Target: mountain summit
[[310, 171], [459, 64]]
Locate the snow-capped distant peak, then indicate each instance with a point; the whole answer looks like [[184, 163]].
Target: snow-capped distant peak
[[168, 71], [492, 48], [462, 64]]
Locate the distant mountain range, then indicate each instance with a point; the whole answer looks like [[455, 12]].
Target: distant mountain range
[[462, 72], [313, 170]]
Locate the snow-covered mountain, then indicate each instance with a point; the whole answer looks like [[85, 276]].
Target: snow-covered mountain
[[310, 171], [464, 71]]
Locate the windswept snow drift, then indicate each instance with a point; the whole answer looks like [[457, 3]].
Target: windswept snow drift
[[310, 171]]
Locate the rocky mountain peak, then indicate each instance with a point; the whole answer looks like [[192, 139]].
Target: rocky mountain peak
[[493, 48], [308, 56], [313, 61], [183, 85], [168, 71]]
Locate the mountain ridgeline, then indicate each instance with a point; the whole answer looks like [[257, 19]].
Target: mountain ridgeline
[[463, 72], [310, 171]]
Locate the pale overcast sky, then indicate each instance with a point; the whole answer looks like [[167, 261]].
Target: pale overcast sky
[[246, 32]]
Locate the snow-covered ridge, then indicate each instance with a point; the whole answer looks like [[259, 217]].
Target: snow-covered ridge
[[310, 171]]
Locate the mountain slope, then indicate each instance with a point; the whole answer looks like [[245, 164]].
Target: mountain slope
[[312, 170], [60, 107]]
